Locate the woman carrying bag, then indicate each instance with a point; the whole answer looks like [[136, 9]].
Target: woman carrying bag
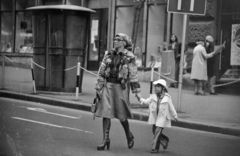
[[118, 70]]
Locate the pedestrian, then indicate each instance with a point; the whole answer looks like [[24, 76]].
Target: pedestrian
[[210, 65], [199, 66], [117, 73], [176, 47], [161, 110]]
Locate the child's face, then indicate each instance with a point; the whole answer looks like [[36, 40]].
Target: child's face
[[158, 88]]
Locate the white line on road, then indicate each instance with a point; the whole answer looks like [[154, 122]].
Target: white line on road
[[44, 111], [48, 124]]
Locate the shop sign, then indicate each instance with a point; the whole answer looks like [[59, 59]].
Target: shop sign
[[230, 75], [235, 45]]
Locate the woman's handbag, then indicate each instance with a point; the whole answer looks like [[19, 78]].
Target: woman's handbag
[[95, 104]]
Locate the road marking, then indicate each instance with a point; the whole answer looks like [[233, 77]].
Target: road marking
[[48, 124], [45, 111]]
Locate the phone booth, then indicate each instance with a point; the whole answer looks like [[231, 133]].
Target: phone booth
[[61, 35]]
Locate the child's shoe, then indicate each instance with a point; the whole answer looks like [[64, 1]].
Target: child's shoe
[[155, 151]]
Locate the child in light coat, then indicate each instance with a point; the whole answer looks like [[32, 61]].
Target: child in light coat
[[161, 110]]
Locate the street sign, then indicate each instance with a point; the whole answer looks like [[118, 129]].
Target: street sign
[[193, 7]]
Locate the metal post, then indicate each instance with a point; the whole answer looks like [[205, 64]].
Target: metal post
[[78, 75], [220, 60], [168, 30], [159, 71], [151, 83], [145, 32], [181, 62], [3, 71]]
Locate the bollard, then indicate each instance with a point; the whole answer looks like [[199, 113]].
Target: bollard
[[34, 85], [78, 75], [151, 83], [159, 72]]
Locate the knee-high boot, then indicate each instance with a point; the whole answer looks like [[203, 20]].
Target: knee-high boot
[[128, 133], [106, 128]]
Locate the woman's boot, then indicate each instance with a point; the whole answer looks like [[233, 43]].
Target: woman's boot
[[129, 134], [106, 129]]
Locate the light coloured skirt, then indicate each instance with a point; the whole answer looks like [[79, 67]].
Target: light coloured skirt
[[114, 102]]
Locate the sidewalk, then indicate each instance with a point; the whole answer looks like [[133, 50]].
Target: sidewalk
[[219, 114]]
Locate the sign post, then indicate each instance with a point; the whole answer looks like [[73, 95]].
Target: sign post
[[181, 62], [193, 7]]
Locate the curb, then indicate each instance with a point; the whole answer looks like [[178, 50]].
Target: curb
[[136, 116]]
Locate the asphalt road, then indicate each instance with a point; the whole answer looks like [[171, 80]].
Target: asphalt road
[[35, 129]]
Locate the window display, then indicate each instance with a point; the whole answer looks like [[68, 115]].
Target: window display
[[6, 32], [24, 38]]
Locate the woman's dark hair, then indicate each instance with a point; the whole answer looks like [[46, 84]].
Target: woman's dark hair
[[210, 48], [171, 38]]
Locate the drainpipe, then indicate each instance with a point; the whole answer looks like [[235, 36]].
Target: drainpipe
[[111, 23]]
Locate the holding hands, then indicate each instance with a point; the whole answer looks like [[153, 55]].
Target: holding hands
[[175, 119], [138, 96]]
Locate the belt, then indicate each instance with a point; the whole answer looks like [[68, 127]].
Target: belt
[[113, 80]]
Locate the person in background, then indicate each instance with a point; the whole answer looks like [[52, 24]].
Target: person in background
[[118, 70], [210, 65], [176, 47], [199, 66], [161, 110], [8, 48]]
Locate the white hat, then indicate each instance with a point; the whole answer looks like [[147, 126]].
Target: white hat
[[161, 82], [209, 38]]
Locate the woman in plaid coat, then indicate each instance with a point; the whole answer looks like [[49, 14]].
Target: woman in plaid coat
[[117, 72]]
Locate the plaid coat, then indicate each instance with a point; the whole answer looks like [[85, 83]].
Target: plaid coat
[[127, 70]]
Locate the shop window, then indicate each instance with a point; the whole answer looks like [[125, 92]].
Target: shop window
[[76, 32], [39, 28], [23, 4], [6, 5], [93, 55], [56, 31], [24, 37], [6, 32]]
